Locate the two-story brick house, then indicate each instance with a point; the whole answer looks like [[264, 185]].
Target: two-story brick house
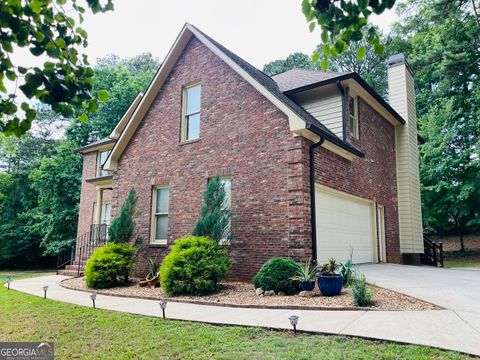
[[315, 164]]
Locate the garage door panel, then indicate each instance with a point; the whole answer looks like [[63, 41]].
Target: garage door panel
[[342, 224]]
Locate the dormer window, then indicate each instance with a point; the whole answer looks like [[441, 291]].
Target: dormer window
[[191, 112], [102, 158], [353, 116]]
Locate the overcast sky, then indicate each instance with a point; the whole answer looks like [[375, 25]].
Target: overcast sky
[[257, 30]]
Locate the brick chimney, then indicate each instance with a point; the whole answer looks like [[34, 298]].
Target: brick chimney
[[401, 91]]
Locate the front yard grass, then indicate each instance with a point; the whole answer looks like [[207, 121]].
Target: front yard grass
[[85, 333], [466, 259]]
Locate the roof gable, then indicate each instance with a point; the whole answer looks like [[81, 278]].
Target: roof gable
[[300, 121]]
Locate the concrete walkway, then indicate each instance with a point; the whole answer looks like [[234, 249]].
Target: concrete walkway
[[454, 289], [441, 328]]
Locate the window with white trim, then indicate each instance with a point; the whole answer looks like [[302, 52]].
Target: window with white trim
[[353, 116], [160, 201], [191, 112]]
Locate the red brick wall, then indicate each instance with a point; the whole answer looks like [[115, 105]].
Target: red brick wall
[[87, 194], [372, 177], [245, 137], [242, 136]]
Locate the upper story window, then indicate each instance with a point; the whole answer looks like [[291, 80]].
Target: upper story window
[[353, 116], [102, 158], [191, 112]]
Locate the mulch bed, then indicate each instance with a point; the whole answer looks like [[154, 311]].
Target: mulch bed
[[243, 294]]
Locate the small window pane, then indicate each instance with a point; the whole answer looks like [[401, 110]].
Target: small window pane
[[193, 99], [162, 200], [161, 232], [193, 126], [351, 106]]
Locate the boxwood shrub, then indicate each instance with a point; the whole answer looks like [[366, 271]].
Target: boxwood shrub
[[194, 266], [109, 266], [276, 275]]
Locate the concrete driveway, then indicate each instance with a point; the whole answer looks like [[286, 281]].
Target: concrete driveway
[[454, 289]]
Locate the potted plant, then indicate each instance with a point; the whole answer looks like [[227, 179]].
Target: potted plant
[[153, 278], [329, 280], [305, 275], [142, 282]]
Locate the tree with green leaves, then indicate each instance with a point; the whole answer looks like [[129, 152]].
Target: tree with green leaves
[[124, 79], [293, 61], [370, 67], [214, 221], [343, 23], [65, 80], [57, 181], [441, 40], [122, 227]]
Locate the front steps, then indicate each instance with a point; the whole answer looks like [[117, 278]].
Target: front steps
[[71, 270]]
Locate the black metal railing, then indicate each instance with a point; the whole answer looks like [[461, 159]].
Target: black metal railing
[[84, 247], [433, 252]]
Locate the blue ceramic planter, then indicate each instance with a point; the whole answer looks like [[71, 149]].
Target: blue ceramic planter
[[307, 285], [330, 285]]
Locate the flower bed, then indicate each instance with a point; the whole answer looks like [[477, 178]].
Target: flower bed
[[243, 294]]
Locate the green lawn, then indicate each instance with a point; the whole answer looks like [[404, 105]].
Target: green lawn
[[468, 258], [84, 333]]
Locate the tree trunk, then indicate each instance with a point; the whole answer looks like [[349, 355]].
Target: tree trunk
[[462, 247], [460, 232]]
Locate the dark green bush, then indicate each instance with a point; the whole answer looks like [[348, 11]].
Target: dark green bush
[[109, 266], [194, 266], [123, 226], [276, 274]]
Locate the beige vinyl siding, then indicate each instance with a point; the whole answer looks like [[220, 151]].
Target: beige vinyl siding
[[402, 99], [325, 106]]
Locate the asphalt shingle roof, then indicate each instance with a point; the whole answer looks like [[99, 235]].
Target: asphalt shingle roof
[[295, 78]]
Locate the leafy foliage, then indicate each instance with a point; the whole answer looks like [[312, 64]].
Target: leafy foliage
[[307, 272], [293, 61], [330, 268], [214, 218], [194, 266], [57, 182], [348, 272], [371, 67], [344, 23], [65, 81], [109, 266], [153, 268], [124, 79], [442, 42], [276, 274], [123, 226], [361, 293]]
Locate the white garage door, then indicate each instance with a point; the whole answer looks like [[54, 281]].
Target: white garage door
[[344, 223]]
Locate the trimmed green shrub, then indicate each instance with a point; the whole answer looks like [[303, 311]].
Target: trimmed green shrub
[[109, 266], [194, 266], [362, 295], [214, 217], [276, 274], [123, 226]]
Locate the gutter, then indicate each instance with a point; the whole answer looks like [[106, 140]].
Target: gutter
[[313, 219], [344, 109], [334, 140]]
